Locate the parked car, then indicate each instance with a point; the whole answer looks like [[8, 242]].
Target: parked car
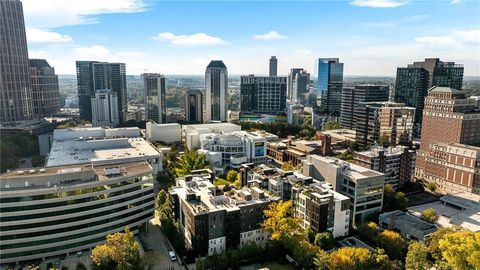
[[172, 256]]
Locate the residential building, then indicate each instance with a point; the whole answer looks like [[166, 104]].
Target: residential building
[[155, 107], [273, 67], [194, 106], [397, 163], [363, 186], [213, 221], [62, 210], [352, 96], [45, 92], [295, 113], [383, 123], [263, 95], [101, 146], [105, 109], [216, 86], [165, 133], [409, 226], [15, 85], [329, 85], [93, 76], [413, 82], [290, 81], [295, 151]]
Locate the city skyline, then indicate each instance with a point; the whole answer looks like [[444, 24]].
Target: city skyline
[[184, 40]]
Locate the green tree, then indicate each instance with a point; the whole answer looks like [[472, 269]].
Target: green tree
[[325, 240], [392, 243], [429, 215], [190, 161], [383, 262], [347, 155], [80, 266], [163, 204], [394, 200], [231, 176], [304, 253], [120, 251], [417, 257], [331, 125], [368, 231]]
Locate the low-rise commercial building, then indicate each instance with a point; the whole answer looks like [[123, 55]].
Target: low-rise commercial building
[[65, 209], [213, 221], [192, 133], [409, 226], [363, 186], [167, 133]]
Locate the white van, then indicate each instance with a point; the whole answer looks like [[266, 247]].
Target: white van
[[172, 256]]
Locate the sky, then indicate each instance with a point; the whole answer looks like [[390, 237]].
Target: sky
[[371, 37]]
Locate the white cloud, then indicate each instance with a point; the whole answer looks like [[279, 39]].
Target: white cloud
[[378, 3], [455, 2], [455, 37], [93, 52], [56, 13], [197, 39], [35, 35], [272, 35]]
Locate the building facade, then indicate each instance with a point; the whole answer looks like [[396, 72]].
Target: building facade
[[93, 76], [413, 82], [273, 66], [352, 96], [264, 95], [45, 92], [216, 87], [194, 106], [15, 85], [59, 210], [329, 85], [155, 108], [297, 86], [295, 151], [383, 123], [397, 163], [105, 109]]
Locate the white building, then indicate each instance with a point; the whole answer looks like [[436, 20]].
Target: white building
[[168, 133], [192, 132], [101, 146], [105, 109]]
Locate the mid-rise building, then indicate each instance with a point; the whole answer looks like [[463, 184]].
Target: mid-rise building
[[273, 66], [45, 92], [93, 76], [192, 132], [216, 86], [397, 163], [363, 186], [295, 151], [193, 106], [15, 85], [263, 95], [105, 109], [383, 123], [413, 82], [329, 85], [61, 210], [155, 108], [352, 96], [213, 221]]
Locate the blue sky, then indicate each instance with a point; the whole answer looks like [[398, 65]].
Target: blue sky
[[372, 37]]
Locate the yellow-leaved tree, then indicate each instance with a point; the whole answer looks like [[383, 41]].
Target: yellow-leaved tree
[[461, 250]]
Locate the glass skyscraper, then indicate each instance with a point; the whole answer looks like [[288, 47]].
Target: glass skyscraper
[[329, 85], [216, 86]]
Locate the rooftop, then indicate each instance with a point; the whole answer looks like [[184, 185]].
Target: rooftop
[[216, 64]]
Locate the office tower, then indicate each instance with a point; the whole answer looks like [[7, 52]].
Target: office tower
[[92, 76], [15, 85], [273, 66], [413, 82], [329, 85], [352, 96], [383, 123], [45, 92], [193, 106], [397, 163], [266, 95], [155, 107], [297, 85], [105, 109], [216, 87]]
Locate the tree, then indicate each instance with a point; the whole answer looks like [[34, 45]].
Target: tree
[[394, 200], [432, 186], [282, 225], [288, 166], [461, 249], [231, 176], [417, 257], [163, 204], [331, 125], [392, 243], [383, 262], [429, 215], [190, 161], [347, 155], [120, 251], [325, 240], [304, 253], [80, 266], [322, 260], [368, 231], [351, 258]]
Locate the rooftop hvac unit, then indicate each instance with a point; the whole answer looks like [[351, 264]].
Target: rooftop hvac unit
[[31, 171], [20, 172], [42, 171]]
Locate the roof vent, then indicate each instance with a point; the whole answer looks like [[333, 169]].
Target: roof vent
[[31, 171], [42, 171], [20, 172]]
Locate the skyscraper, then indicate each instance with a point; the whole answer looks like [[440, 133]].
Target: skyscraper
[[45, 92], [297, 85], [193, 106], [352, 96], [265, 95], [413, 82], [156, 110], [92, 76], [216, 86], [15, 85], [105, 109], [273, 66], [329, 85]]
